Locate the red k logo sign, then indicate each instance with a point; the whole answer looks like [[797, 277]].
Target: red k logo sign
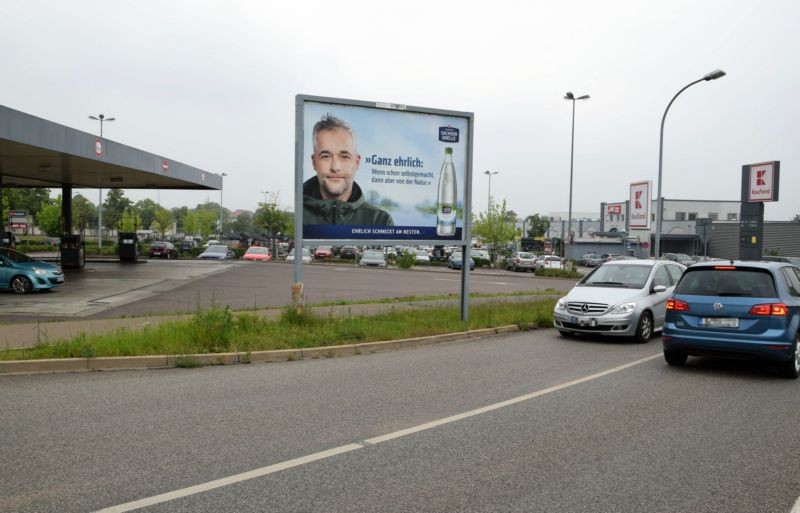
[[638, 196], [760, 177]]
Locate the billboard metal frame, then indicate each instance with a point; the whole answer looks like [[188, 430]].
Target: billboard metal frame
[[300, 156]]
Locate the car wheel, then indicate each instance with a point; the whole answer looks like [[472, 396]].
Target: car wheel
[[791, 368], [675, 357], [644, 328], [21, 284]]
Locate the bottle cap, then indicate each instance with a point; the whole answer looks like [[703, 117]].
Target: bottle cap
[[448, 151]]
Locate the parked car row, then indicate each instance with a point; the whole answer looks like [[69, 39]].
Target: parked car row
[[737, 309]]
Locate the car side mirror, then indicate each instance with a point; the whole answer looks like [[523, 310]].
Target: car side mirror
[[659, 288]]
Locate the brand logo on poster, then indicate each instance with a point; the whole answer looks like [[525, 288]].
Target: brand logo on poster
[[640, 205], [615, 209], [448, 134]]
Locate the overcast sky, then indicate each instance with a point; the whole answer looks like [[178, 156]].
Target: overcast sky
[[212, 84]]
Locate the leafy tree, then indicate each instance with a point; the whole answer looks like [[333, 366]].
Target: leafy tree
[[537, 225], [163, 220], [49, 217], [147, 210], [178, 214], [796, 218], [272, 220], [130, 221], [115, 204], [200, 221], [243, 223], [84, 213], [24, 199], [494, 226]]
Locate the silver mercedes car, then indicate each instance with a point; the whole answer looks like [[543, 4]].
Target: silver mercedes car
[[625, 298]]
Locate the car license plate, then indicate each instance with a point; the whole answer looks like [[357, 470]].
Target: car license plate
[[720, 322], [59, 280]]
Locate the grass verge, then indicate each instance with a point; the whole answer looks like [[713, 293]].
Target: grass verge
[[219, 330]]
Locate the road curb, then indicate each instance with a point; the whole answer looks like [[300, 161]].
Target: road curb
[[51, 366]]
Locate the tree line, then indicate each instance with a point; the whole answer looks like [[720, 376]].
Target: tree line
[[122, 214]]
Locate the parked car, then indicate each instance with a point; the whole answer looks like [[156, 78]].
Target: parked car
[[624, 298], [188, 245], [596, 260], [795, 261], [162, 250], [323, 252], [684, 259], [587, 257], [348, 252], [522, 261], [22, 274], [736, 309], [456, 261], [551, 262], [258, 254], [307, 257], [373, 258], [422, 256], [212, 242], [217, 252]]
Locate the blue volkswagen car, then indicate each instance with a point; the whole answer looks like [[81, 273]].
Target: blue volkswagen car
[[22, 274], [736, 309]]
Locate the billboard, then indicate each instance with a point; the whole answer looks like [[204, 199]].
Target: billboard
[[614, 209], [639, 216], [378, 171]]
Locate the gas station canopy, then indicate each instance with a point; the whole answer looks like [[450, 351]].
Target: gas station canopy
[[35, 152]]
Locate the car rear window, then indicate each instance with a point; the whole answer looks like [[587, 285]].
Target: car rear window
[[736, 281]]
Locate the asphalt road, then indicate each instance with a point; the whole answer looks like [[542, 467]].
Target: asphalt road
[[596, 426]]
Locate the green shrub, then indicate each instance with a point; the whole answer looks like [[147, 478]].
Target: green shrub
[[558, 273], [213, 329], [481, 262], [406, 260]]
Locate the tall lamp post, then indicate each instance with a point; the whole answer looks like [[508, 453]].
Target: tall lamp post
[[265, 196], [222, 177], [489, 197], [102, 119], [659, 201], [571, 97]]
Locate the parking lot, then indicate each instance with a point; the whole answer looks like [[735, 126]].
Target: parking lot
[[108, 289]]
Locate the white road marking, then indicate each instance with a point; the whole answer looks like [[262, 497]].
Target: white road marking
[[277, 467], [225, 481], [796, 508], [475, 281]]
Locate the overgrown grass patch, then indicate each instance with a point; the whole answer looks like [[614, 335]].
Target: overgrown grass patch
[[217, 330]]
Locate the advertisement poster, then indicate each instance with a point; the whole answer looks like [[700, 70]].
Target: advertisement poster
[[640, 206], [374, 173]]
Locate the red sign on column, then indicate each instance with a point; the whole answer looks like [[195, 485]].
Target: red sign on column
[[98, 147], [164, 166]]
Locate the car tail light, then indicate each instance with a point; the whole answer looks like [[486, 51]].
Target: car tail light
[[776, 309], [724, 268], [677, 305]]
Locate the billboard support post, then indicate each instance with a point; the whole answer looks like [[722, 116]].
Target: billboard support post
[[369, 173], [297, 281]]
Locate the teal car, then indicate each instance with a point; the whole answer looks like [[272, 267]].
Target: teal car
[[22, 274]]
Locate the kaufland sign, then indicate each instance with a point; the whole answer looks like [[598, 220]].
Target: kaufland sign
[[762, 182], [639, 217]]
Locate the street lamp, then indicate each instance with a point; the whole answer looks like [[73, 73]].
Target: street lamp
[[222, 176], [659, 202], [102, 119], [489, 174], [571, 97], [265, 196]]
